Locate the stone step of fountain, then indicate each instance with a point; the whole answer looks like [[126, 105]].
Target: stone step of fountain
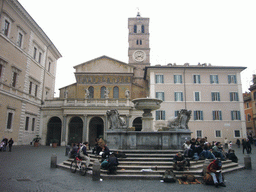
[[136, 166]]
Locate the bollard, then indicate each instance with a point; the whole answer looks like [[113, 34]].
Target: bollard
[[247, 162], [54, 161], [205, 165], [96, 171]]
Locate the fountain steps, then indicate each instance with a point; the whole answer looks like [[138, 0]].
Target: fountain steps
[[144, 167]]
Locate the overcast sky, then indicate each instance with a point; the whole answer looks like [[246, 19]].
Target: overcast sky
[[220, 32]]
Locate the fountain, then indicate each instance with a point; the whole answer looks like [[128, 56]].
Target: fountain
[[171, 137]]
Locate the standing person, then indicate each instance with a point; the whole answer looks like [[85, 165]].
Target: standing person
[[10, 142], [238, 143], [244, 145], [83, 153], [5, 140], [214, 169], [248, 146], [230, 145], [226, 142]]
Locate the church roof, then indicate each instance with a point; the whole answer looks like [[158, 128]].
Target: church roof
[[102, 57]]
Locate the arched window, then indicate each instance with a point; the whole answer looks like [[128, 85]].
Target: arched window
[[141, 42], [102, 92], [135, 28], [91, 92], [116, 93], [137, 42], [142, 29]]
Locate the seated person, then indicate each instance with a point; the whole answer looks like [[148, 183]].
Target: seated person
[[73, 151], [216, 151], [83, 153], [180, 162], [206, 154], [112, 163], [104, 152], [96, 150], [214, 169], [231, 156]]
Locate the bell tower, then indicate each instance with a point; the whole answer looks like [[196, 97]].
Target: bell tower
[[139, 51]]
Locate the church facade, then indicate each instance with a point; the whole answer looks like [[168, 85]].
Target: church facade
[[102, 84]]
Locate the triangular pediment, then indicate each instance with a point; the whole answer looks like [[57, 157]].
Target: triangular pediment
[[104, 64]]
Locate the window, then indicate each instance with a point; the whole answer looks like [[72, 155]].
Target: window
[[35, 51], [178, 96], [160, 115], [176, 113], [216, 115], [116, 93], [199, 134], [36, 88], [27, 124], [198, 115], [232, 79], [247, 105], [30, 87], [237, 133], [49, 66], [140, 42], [177, 79], [196, 79], [215, 96], [91, 92], [197, 96], [249, 117], [214, 79], [135, 28], [159, 79], [160, 95], [102, 92], [235, 115], [254, 96], [6, 28], [20, 38], [142, 29], [33, 124], [234, 96], [14, 79], [40, 57], [217, 133], [9, 120]]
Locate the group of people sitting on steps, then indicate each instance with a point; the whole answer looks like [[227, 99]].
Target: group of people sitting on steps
[[200, 149], [109, 160]]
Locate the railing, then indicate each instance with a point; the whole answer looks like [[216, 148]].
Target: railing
[[88, 102]]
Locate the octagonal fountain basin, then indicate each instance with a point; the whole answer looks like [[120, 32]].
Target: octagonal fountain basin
[[147, 103]]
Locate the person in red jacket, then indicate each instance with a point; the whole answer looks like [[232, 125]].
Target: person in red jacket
[[214, 169]]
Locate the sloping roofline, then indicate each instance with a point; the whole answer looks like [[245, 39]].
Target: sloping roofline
[[101, 57]]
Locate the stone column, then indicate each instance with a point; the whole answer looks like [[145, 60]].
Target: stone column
[[64, 127], [85, 128]]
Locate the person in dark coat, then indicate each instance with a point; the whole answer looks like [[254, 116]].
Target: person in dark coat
[[248, 146], [238, 143], [112, 163], [105, 152], [231, 156], [10, 143], [244, 145], [180, 162]]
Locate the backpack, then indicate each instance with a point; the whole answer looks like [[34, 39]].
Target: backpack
[[169, 176]]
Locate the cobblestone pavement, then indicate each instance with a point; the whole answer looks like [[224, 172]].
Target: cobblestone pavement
[[27, 168]]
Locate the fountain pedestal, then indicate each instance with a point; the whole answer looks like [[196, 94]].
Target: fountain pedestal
[[147, 105]]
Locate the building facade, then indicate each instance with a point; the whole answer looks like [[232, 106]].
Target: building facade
[[250, 108], [212, 93], [28, 62]]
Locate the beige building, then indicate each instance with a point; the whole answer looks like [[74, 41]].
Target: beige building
[[28, 62], [212, 93]]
